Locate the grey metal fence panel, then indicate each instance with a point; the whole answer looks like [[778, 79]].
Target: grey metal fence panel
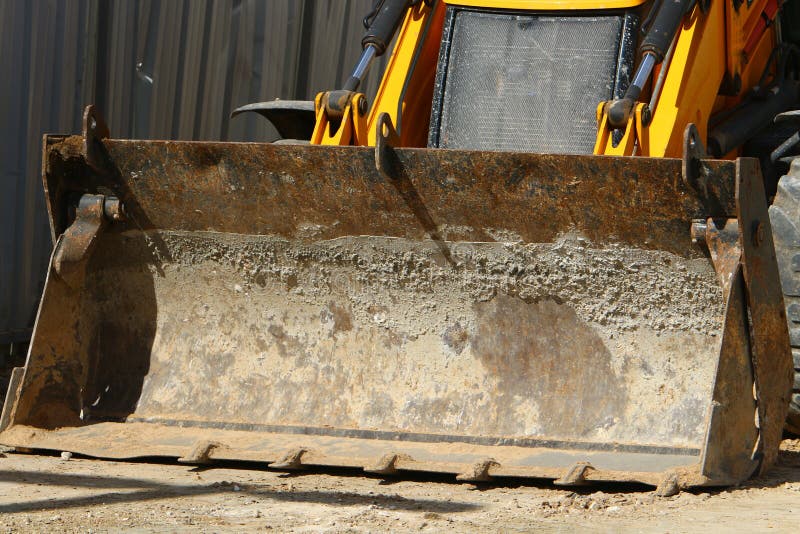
[[179, 67], [42, 55], [156, 69]]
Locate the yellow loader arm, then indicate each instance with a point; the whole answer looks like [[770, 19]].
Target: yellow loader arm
[[714, 54]]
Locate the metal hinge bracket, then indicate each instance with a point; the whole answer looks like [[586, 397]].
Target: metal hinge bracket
[[76, 243]]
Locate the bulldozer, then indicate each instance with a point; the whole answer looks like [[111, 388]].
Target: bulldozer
[[555, 244]]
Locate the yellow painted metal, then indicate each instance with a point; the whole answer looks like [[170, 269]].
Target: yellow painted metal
[[740, 24], [690, 88], [692, 82], [350, 130], [708, 45], [752, 70], [546, 5], [631, 138], [391, 95]]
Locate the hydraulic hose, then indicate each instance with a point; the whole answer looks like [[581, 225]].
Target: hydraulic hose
[[665, 24], [751, 117], [652, 50], [383, 24]]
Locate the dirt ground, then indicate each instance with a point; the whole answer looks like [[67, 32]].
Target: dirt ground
[[39, 493]]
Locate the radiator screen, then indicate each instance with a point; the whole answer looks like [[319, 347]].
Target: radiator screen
[[524, 83]]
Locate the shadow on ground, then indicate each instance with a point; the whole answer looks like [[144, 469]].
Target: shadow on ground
[[145, 490], [138, 490]]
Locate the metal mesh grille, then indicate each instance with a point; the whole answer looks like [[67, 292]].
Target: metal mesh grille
[[527, 83]]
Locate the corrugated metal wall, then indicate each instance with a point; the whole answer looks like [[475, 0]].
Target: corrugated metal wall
[[156, 69]]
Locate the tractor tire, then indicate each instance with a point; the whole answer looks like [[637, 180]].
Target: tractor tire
[[784, 216]]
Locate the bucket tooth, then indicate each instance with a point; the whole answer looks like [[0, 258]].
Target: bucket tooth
[[387, 465], [291, 460], [200, 453], [479, 471], [576, 476], [669, 486]]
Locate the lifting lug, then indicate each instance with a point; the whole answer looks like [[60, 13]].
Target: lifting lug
[[693, 171], [95, 130]]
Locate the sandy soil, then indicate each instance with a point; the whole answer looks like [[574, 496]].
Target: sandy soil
[[40, 493]]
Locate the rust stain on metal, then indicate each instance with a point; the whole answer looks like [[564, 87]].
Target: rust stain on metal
[[341, 191], [545, 343], [772, 359], [75, 245], [485, 314], [722, 238]]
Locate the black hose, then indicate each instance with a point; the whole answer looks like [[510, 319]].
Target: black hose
[[648, 20], [665, 24], [751, 117], [367, 22], [389, 14], [664, 20]]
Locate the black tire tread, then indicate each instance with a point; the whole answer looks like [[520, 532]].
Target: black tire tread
[[785, 219]]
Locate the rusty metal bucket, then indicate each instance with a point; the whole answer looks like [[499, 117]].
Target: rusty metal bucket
[[483, 314]]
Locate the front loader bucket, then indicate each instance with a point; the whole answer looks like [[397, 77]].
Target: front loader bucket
[[483, 314]]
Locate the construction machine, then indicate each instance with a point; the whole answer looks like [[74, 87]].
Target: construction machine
[[543, 249]]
